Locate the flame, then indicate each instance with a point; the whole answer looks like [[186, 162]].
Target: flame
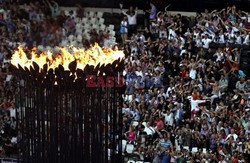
[[92, 56]]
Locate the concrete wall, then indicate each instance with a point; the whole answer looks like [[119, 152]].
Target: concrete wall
[[117, 10]]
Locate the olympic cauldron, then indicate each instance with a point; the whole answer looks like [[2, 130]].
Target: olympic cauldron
[[60, 118]]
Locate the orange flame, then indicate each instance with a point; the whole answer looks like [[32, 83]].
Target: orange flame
[[92, 56]]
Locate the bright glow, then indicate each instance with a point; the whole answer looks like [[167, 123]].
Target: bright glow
[[92, 56]]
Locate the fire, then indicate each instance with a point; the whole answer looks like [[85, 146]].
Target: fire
[[92, 56]]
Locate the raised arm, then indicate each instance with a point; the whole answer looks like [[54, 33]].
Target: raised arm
[[158, 14], [223, 23], [222, 10], [211, 34], [170, 25], [56, 4], [49, 4], [245, 29], [228, 10], [214, 11], [136, 11], [244, 12], [125, 13], [200, 101]]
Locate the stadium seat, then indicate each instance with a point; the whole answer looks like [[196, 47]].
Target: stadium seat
[[99, 14], [56, 50], [100, 21], [73, 14], [84, 20], [87, 26], [102, 27], [111, 27], [80, 45], [48, 48], [64, 43], [78, 26], [135, 123], [77, 19], [79, 38], [71, 38], [40, 47], [79, 31], [94, 26], [124, 143], [73, 43], [129, 148], [112, 33], [92, 21], [91, 14], [86, 31], [66, 12]]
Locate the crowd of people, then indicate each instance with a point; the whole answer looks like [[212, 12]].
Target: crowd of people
[[185, 100]]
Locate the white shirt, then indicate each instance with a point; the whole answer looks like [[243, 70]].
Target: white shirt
[[195, 103], [187, 34], [182, 42], [142, 38], [172, 34], [221, 39], [195, 35], [125, 24], [231, 38], [206, 43], [238, 40], [12, 112], [234, 135], [149, 130], [198, 43], [8, 78], [131, 19], [219, 56], [169, 119], [5, 13], [139, 73], [234, 29], [246, 40], [177, 114], [168, 91], [162, 33], [161, 95], [192, 74], [126, 110]]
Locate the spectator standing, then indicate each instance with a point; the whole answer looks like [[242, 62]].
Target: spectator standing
[[54, 8], [152, 12], [132, 21], [124, 29]]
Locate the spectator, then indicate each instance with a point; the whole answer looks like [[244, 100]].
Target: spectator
[[124, 29], [54, 8], [132, 22], [152, 11]]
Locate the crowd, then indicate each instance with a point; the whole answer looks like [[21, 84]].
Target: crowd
[[186, 100]]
